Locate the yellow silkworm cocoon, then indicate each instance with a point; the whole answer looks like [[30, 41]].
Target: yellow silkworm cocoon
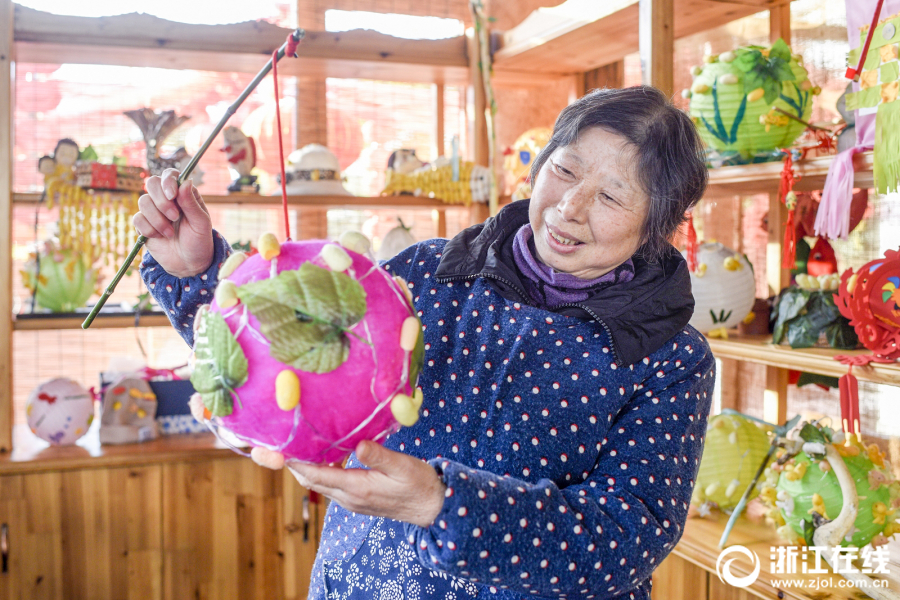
[[756, 95], [287, 390], [417, 398], [226, 294], [409, 333], [712, 489], [404, 410], [267, 458], [232, 263], [699, 88], [336, 258], [728, 79], [268, 246], [732, 488], [354, 240], [727, 56]]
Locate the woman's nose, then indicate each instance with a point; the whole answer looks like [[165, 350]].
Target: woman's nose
[[572, 207]]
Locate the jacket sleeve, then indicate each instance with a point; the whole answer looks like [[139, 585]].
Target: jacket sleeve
[[181, 298], [605, 535]]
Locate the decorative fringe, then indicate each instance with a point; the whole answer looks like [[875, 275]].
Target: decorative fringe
[[789, 247], [691, 245], [849, 388]]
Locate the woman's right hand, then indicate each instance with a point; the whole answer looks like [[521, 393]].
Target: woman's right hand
[[176, 224]]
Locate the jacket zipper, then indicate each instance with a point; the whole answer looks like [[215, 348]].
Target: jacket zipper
[[523, 295]]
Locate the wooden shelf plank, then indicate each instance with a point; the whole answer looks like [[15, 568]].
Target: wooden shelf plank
[[765, 177], [699, 545], [101, 322], [761, 350], [578, 36], [146, 41], [33, 455], [302, 201]]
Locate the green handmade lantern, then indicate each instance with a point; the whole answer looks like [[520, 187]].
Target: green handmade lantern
[[751, 100], [735, 448], [64, 279], [808, 485]]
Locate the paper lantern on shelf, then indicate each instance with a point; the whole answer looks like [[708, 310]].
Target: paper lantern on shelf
[[870, 298], [64, 279], [736, 98], [723, 287], [807, 485], [735, 448], [59, 411], [307, 349]]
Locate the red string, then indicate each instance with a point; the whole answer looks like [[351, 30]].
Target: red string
[[284, 203], [290, 48], [789, 247]]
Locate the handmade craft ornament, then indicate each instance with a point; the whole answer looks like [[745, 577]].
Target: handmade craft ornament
[[878, 95], [735, 447], [62, 280], [314, 170], [723, 288], [808, 484], [395, 241], [321, 350], [870, 298], [520, 157], [751, 100], [463, 184], [129, 412], [240, 152], [59, 411]]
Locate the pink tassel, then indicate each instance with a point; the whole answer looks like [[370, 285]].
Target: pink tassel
[[833, 217]]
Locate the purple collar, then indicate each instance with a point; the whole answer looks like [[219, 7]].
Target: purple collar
[[549, 289]]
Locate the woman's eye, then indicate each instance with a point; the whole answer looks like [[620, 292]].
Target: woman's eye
[[560, 169]]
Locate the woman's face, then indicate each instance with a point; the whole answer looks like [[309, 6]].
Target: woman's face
[[587, 209]]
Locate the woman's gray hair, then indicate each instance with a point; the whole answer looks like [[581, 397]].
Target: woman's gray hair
[[670, 165]]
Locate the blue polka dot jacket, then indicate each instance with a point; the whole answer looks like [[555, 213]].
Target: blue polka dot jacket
[[568, 443]]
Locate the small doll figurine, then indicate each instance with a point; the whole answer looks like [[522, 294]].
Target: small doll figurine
[[60, 166], [241, 153]]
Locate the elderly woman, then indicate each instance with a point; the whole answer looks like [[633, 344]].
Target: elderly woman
[[565, 394]]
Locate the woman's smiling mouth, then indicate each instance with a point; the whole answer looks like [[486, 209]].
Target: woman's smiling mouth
[[561, 238]]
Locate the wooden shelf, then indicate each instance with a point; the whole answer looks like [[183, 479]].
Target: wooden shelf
[[765, 177], [303, 201], [30, 454], [578, 36], [53, 322], [700, 545], [140, 40], [761, 350]]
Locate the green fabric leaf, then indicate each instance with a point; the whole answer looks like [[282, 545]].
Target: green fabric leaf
[[815, 378], [782, 70], [772, 88], [811, 433], [841, 335], [790, 302], [780, 50], [889, 72], [307, 314], [808, 531], [416, 360], [220, 364], [746, 62]]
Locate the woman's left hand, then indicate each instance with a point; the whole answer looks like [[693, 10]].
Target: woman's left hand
[[396, 485]]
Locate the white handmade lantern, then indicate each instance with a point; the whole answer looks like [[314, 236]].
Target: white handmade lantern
[[60, 411], [723, 288]]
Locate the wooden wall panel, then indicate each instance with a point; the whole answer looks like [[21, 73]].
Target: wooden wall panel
[[91, 533], [678, 579], [221, 529]]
